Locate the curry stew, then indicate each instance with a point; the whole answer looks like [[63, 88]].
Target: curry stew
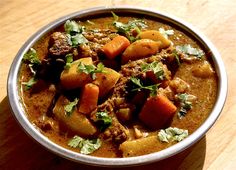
[[117, 86]]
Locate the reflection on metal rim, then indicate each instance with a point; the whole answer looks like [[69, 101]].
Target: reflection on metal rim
[[18, 109]]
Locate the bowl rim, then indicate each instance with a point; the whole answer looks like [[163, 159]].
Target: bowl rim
[[18, 108]]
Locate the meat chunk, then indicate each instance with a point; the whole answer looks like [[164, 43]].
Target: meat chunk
[[116, 132], [59, 44]]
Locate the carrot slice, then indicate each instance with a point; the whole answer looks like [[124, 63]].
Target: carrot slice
[[157, 111], [115, 46], [89, 98]]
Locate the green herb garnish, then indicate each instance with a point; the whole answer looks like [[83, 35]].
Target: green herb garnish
[[69, 60], [185, 105], [30, 83], [151, 88], [166, 33], [72, 27], [69, 108], [91, 69], [157, 69], [31, 58], [189, 50], [172, 134], [176, 57], [75, 33], [86, 146], [103, 120], [126, 29]]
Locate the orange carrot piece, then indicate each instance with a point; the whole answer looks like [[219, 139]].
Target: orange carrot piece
[[115, 46], [89, 98], [157, 111]]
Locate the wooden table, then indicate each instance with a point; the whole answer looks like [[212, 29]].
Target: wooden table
[[19, 19]]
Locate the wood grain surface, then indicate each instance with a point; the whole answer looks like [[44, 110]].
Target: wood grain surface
[[19, 19]]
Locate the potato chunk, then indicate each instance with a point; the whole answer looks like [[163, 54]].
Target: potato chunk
[[106, 81], [71, 78], [140, 146], [76, 122], [155, 36], [140, 49], [203, 70]]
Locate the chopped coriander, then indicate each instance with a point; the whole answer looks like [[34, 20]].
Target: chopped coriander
[[86, 146], [72, 27], [91, 69], [74, 33], [157, 69], [116, 17], [185, 104], [69, 108], [189, 50], [69, 60], [30, 83], [78, 39], [31, 57], [151, 88], [166, 33], [126, 29], [172, 134], [176, 57], [103, 120]]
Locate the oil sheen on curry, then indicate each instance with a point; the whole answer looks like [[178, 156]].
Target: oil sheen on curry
[[117, 86]]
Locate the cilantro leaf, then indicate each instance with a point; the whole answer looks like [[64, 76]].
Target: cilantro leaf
[[176, 57], [189, 50], [69, 60], [151, 88], [116, 17], [185, 104], [69, 108], [75, 33], [172, 134], [31, 57], [72, 27], [157, 69], [30, 83], [78, 39], [166, 33], [126, 29], [86, 146], [103, 120], [91, 69]]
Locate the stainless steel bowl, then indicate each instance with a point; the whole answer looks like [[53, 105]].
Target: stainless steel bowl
[[19, 112]]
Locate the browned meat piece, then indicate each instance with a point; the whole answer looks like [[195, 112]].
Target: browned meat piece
[[101, 36], [59, 44], [94, 46], [92, 49], [133, 68], [116, 131]]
